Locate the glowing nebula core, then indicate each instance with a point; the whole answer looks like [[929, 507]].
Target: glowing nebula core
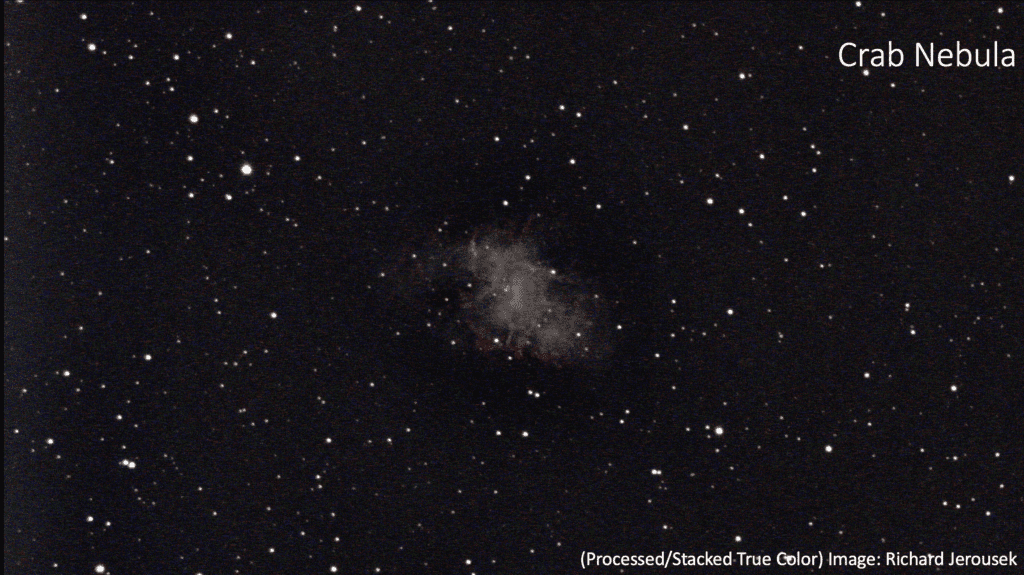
[[522, 306]]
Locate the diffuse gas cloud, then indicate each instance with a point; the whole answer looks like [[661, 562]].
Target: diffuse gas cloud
[[523, 306]]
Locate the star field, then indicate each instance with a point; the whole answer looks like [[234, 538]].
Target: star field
[[241, 334]]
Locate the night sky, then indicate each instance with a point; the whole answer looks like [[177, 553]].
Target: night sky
[[248, 327]]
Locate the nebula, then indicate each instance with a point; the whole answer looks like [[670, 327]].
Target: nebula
[[497, 295], [522, 306]]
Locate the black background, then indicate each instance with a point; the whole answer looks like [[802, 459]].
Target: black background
[[823, 264]]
